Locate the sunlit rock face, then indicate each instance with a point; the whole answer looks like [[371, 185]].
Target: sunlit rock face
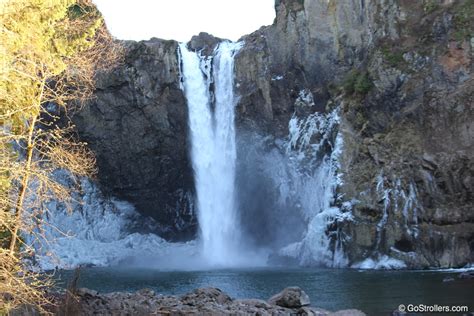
[[406, 164], [310, 44]]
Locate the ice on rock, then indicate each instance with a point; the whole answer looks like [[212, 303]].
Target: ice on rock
[[96, 233]]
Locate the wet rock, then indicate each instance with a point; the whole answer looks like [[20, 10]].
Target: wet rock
[[291, 297]]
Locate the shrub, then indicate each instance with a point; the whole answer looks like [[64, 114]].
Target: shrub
[[430, 6], [393, 57], [357, 82]]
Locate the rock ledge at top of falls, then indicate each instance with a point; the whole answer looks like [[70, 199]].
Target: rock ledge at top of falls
[[207, 301], [204, 42]]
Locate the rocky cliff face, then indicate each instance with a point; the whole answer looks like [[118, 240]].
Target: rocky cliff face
[[401, 72], [409, 138], [137, 128]]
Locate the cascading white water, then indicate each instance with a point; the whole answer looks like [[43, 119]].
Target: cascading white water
[[213, 148], [312, 181]]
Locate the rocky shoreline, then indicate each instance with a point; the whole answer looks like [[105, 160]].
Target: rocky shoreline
[[202, 301]]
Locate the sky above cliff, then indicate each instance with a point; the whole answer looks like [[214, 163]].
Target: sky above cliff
[[181, 19]]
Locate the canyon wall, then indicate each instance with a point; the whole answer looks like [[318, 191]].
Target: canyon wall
[[400, 73]]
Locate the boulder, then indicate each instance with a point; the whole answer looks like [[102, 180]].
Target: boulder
[[205, 296], [204, 42], [291, 297]]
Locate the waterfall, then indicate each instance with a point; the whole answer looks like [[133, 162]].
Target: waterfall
[[213, 149]]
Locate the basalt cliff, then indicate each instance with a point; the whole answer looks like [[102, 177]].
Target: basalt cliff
[[399, 75]]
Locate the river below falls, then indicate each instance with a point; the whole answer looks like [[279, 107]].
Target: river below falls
[[374, 292]]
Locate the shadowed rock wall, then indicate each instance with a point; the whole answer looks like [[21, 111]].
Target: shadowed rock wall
[[137, 127]]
